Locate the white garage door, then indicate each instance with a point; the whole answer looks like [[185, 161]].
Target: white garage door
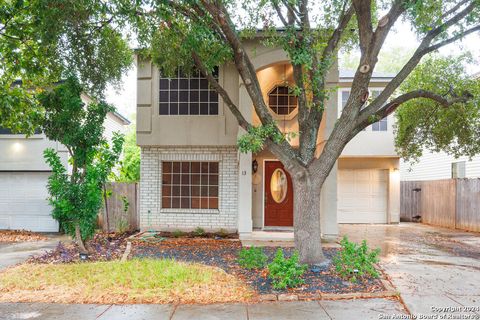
[[23, 203], [362, 196]]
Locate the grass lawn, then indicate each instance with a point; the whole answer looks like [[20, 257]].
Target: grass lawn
[[134, 281]]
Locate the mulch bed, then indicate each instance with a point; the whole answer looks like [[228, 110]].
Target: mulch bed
[[224, 253], [11, 236], [103, 247]]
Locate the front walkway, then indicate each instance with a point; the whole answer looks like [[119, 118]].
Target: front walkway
[[321, 310], [430, 266], [14, 253]]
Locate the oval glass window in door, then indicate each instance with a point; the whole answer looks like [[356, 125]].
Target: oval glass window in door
[[278, 185]]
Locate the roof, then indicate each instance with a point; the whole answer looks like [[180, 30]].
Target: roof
[[348, 75], [121, 117]]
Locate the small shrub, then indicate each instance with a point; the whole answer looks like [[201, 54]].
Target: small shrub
[[252, 258], [123, 225], [222, 233], [356, 261], [286, 272], [199, 232], [178, 233]]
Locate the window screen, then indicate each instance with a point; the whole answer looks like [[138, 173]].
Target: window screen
[[187, 95], [190, 185]]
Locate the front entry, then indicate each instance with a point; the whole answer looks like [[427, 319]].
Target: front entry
[[278, 196]]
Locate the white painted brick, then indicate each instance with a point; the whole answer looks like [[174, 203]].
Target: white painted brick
[[153, 217]]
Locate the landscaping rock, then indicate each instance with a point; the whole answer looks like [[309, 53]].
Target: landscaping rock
[[268, 297], [287, 297]]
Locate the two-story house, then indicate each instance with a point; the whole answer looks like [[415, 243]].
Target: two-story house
[[193, 175], [24, 174]]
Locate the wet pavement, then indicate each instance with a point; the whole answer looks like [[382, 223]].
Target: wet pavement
[[431, 267], [321, 310], [14, 253], [436, 271]]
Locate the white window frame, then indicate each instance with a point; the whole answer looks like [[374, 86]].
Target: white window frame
[[458, 169], [370, 89]]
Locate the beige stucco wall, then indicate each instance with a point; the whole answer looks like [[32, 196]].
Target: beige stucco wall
[[18, 153], [183, 130], [21, 153]]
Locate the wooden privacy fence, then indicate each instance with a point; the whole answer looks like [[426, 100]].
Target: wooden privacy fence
[[452, 203], [121, 210]]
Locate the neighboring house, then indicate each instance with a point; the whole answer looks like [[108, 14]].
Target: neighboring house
[[24, 174], [440, 165], [193, 175]]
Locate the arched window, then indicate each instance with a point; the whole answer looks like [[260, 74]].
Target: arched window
[[281, 100]]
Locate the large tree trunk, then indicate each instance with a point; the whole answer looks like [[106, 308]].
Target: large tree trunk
[[78, 238], [306, 215]]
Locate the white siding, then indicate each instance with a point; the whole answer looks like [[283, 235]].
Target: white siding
[[113, 124], [435, 166]]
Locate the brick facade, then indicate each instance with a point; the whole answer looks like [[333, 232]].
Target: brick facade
[[152, 216]]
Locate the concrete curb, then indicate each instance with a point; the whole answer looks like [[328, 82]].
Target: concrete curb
[[328, 296]]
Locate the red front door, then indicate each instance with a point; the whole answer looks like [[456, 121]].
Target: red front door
[[278, 195]]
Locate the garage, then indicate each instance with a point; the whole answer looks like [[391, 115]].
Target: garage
[[23, 203], [362, 196]]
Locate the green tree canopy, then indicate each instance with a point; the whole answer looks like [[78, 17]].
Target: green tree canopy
[[204, 34], [76, 196], [45, 41], [445, 116]]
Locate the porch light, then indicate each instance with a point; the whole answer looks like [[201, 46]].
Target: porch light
[[254, 166]]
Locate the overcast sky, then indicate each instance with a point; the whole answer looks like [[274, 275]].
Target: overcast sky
[[125, 99]]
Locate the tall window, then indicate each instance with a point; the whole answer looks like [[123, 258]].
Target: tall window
[[190, 185], [187, 95], [458, 169], [382, 124], [281, 101]]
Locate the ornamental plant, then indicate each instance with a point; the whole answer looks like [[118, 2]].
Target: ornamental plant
[[286, 272], [252, 258], [355, 262], [76, 194]]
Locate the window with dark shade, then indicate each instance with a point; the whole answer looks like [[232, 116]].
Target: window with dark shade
[[190, 185], [281, 100], [187, 95]]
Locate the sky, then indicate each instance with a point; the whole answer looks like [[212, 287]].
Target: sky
[[125, 98]]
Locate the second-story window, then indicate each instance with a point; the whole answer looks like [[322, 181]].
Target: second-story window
[[382, 124], [282, 101], [187, 95]]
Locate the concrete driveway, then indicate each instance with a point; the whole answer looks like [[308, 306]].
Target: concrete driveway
[[14, 253], [431, 267]]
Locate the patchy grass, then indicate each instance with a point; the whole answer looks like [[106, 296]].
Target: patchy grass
[[113, 282]]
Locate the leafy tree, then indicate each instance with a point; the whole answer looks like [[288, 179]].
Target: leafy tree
[[446, 117], [203, 34], [76, 196], [44, 41], [130, 165], [390, 60]]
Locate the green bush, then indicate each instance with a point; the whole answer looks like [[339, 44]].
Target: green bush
[[199, 232], [252, 258], [286, 272], [356, 261], [178, 233]]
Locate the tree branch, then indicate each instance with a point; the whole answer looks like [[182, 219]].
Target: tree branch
[[222, 92], [363, 10], [422, 50], [452, 39], [395, 103]]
